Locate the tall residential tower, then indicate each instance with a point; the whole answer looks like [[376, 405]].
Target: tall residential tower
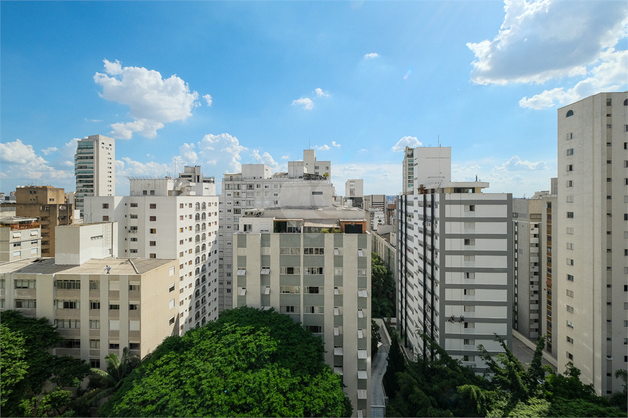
[[94, 168]]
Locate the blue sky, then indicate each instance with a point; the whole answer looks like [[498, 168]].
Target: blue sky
[[219, 84]]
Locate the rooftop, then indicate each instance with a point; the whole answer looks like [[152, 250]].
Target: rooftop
[[119, 266]]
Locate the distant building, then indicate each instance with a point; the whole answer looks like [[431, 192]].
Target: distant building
[[454, 262], [99, 303], [354, 191], [407, 171], [171, 218], [591, 273], [46, 204], [94, 168], [313, 265], [20, 238]]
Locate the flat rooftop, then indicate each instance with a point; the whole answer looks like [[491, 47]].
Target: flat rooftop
[[119, 266]]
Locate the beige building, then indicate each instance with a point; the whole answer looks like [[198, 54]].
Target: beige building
[[46, 204], [591, 269], [313, 265], [94, 168], [99, 305], [19, 238]]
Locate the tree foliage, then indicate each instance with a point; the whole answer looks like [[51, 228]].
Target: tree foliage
[[376, 338], [443, 387], [382, 289], [248, 363], [28, 364]]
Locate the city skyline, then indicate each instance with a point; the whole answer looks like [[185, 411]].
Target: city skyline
[[224, 84]]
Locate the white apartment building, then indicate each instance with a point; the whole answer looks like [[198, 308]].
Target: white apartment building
[[313, 265], [354, 191], [20, 238], [591, 280], [454, 262], [407, 171], [256, 187], [100, 304], [94, 168], [165, 218]]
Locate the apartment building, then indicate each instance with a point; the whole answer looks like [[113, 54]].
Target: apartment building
[[94, 168], [20, 238], [256, 187], [100, 304], [407, 171], [354, 192], [165, 218], [47, 205], [533, 233], [313, 265], [454, 262], [591, 280]]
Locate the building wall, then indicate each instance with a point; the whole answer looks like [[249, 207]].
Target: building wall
[[592, 268], [94, 168], [18, 242], [328, 303], [79, 243]]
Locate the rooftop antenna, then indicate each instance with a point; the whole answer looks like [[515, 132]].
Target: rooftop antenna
[[438, 139]]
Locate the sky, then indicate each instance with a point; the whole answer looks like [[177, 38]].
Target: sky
[[220, 84]]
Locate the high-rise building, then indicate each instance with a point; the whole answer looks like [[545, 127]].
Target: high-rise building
[[46, 204], [591, 280], [407, 171], [19, 238], [166, 218], [454, 262], [354, 191], [313, 265], [256, 187], [99, 303], [94, 168]]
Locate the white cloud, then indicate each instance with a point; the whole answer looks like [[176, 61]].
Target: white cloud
[[307, 103], [363, 150], [323, 147], [517, 164], [545, 39], [406, 141], [93, 120], [609, 75], [49, 150], [379, 178], [320, 93], [152, 100], [333, 143], [188, 154], [208, 99], [285, 157], [222, 151], [265, 158], [371, 55], [21, 161]]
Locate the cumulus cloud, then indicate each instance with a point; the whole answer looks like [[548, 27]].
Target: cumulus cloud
[[49, 150], [219, 150], [285, 157], [305, 102], [333, 143], [517, 164], [371, 55], [24, 164], [406, 141], [208, 99], [265, 158], [363, 150], [324, 147], [320, 93], [609, 75], [152, 100], [545, 39], [379, 178], [188, 154]]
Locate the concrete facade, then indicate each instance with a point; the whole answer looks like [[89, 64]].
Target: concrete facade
[[591, 280], [94, 168], [20, 238], [313, 265]]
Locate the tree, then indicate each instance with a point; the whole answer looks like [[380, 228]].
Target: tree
[[375, 338], [249, 362], [382, 289], [28, 362]]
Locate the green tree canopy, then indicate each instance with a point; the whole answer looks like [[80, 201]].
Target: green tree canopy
[[382, 289], [248, 363], [27, 363]]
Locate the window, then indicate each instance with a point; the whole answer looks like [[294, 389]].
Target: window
[[153, 206], [569, 113], [68, 284], [94, 344], [94, 304], [569, 356], [569, 308], [114, 306], [94, 324], [570, 215], [171, 287], [570, 135], [570, 151], [570, 245], [469, 275], [153, 231], [134, 346], [25, 284], [469, 241], [105, 218], [569, 167], [105, 205], [469, 308], [570, 324], [569, 293], [25, 303], [133, 205], [152, 255], [469, 292], [70, 344], [114, 346], [134, 306], [467, 341], [570, 277], [171, 320], [153, 218]]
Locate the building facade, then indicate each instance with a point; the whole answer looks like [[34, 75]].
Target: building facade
[[101, 305], [94, 168], [591, 280], [47, 205], [20, 238], [164, 218], [454, 263], [315, 266]]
